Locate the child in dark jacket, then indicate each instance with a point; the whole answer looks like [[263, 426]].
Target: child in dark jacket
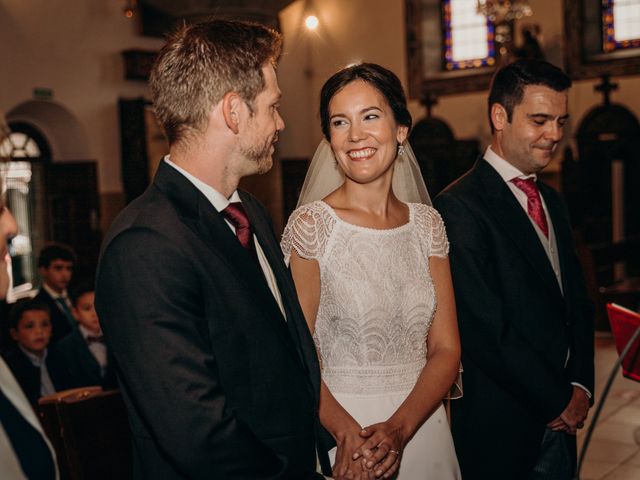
[[85, 353], [39, 370]]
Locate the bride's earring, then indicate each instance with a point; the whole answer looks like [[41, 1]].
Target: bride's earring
[[400, 150]]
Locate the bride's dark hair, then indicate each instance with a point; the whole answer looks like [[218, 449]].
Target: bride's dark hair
[[385, 81]]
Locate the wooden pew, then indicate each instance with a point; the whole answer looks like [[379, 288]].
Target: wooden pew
[[89, 432]]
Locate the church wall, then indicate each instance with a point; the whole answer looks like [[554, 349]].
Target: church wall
[[349, 32], [373, 30]]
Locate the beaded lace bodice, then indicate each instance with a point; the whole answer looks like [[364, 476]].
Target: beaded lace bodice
[[377, 298]]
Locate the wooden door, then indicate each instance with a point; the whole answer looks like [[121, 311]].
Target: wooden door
[[72, 208]]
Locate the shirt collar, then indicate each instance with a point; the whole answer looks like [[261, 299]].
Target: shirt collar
[[52, 293], [33, 358], [507, 171], [217, 199]]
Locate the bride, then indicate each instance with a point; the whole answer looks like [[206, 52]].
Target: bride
[[369, 258]]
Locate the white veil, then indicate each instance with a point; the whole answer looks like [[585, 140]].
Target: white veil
[[324, 176]]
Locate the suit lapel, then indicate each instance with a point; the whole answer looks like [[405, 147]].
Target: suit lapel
[[262, 231], [510, 216], [296, 324], [200, 216], [219, 237], [563, 234], [271, 249]]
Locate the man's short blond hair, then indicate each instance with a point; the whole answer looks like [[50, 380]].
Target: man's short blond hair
[[201, 63]]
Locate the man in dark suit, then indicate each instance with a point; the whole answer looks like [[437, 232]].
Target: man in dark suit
[[526, 322], [217, 367], [55, 265]]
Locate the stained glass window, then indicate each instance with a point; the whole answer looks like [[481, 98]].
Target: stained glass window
[[468, 36], [620, 24]]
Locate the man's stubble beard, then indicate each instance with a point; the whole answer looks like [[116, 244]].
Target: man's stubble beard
[[261, 157]]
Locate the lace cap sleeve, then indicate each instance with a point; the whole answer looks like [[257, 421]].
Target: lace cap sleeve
[[434, 230], [307, 232]]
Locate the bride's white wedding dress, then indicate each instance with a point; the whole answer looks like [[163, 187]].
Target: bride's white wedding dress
[[377, 302]]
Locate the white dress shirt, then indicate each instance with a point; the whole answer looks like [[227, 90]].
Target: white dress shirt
[[508, 172], [220, 202]]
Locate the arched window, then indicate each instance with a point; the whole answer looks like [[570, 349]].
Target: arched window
[[26, 142], [28, 149]]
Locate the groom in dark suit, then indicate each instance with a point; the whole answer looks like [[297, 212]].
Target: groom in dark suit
[[526, 321], [217, 367]]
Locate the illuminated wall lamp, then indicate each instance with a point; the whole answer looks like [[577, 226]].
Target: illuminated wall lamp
[[311, 22]]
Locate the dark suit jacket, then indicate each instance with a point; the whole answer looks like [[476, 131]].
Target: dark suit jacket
[[84, 370], [516, 325], [21, 434], [217, 384], [28, 376], [60, 324]]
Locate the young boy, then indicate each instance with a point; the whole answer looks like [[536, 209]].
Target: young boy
[[39, 371], [84, 350], [55, 266]]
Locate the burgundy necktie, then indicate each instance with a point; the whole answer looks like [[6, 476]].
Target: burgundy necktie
[[237, 216], [534, 202]]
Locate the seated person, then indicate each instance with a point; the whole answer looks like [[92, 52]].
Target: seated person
[[39, 370], [55, 266], [85, 353]]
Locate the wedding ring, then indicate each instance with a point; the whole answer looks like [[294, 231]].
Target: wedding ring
[[394, 451]]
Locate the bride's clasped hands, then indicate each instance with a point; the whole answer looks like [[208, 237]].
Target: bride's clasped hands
[[369, 453], [382, 450]]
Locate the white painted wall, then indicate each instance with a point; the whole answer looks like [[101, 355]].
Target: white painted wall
[[72, 47], [350, 31]]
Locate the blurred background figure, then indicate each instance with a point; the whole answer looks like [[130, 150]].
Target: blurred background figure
[[55, 266], [25, 452], [85, 352], [40, 370]]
